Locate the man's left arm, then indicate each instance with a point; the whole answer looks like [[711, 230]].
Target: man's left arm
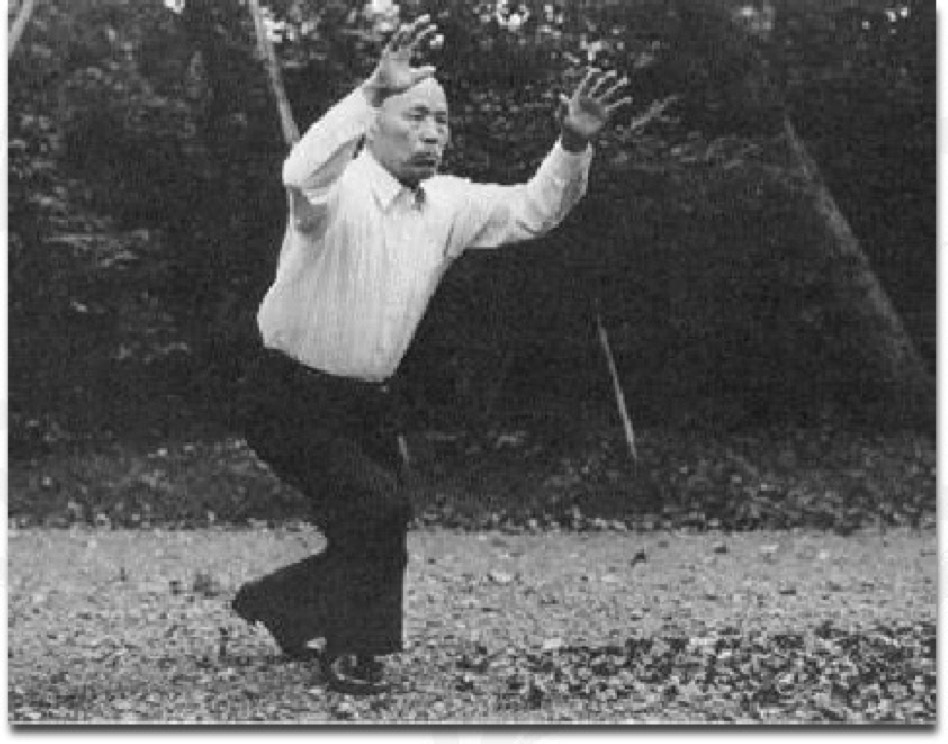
[[491, 215]]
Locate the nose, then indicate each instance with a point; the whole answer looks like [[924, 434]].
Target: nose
[[432, 132]]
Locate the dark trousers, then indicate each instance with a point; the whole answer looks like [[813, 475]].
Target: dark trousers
[[336, 440]]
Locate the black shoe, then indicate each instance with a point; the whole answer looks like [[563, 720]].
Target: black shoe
[[252, 606], [357, 675]]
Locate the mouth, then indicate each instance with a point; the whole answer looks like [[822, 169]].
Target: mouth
[[425, 161]]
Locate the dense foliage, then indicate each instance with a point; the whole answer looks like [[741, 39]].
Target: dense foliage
[[155, 119], [861, 86]]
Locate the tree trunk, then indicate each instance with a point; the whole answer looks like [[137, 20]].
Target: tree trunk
[[297, 205], [19, 23], [291, 132], [880, 328], [884, 342]]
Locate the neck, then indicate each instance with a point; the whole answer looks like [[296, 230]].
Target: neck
[[406, 181]]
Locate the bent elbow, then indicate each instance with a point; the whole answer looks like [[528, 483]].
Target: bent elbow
[[293, 173], [308, 211]]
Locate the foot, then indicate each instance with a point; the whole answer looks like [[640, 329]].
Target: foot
[[356, 674], [252, 606]]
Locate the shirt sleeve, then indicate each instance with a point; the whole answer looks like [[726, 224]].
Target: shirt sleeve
[[318, 160], [490, 215]]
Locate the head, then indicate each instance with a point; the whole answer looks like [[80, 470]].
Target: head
[[410, 133]]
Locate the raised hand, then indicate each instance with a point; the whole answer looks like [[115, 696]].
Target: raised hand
[[394, 73], [589, 109]]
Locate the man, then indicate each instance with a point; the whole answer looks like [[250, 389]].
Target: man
[[371, 234]]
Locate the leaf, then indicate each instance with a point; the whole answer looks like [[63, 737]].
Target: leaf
[[553, 644]]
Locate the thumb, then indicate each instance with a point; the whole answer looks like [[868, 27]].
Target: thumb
[[563, 109], [422, 73]]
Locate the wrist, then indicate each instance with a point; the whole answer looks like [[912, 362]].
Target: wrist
[[374, 93], [571, 141]]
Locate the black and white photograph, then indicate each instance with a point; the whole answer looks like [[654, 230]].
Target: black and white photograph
[[471, 363]]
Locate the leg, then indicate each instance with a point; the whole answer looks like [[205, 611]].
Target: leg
[[367, 535], [368, 552], [351, 593], [278, 422], [280, 601]]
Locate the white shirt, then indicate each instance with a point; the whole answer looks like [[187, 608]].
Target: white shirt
[[353, 283]]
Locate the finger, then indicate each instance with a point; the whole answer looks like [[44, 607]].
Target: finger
[[422, 20], [615, 91], [563, 109], [412, 29], [622, 102], [420, 36], [401, 37], [392, 45], [584, 86], [420, 73], [596, 89]]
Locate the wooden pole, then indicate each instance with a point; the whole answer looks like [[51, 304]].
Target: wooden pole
[[19, 24], [655, 111], [617, 388]]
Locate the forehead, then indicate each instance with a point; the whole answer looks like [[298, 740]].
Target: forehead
[[428, 94]]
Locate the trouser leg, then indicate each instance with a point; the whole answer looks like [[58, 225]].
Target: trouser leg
[[351, 594], [367, 557]]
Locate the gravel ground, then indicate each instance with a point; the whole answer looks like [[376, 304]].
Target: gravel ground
[[777, 627]]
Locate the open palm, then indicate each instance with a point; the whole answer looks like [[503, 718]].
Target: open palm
[[394, 72], [593, 102]]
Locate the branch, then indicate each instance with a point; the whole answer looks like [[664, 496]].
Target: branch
[[300, 208], [291, 132], [22, 18]]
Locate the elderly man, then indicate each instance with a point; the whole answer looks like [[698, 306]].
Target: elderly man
[[371, 234]]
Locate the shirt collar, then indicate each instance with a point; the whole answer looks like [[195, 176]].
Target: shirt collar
[[385, 187]]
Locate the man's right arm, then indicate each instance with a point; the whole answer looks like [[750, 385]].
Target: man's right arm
[[317, 161], [320, 157]]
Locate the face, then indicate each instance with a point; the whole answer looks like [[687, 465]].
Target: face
[[411, 131]]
